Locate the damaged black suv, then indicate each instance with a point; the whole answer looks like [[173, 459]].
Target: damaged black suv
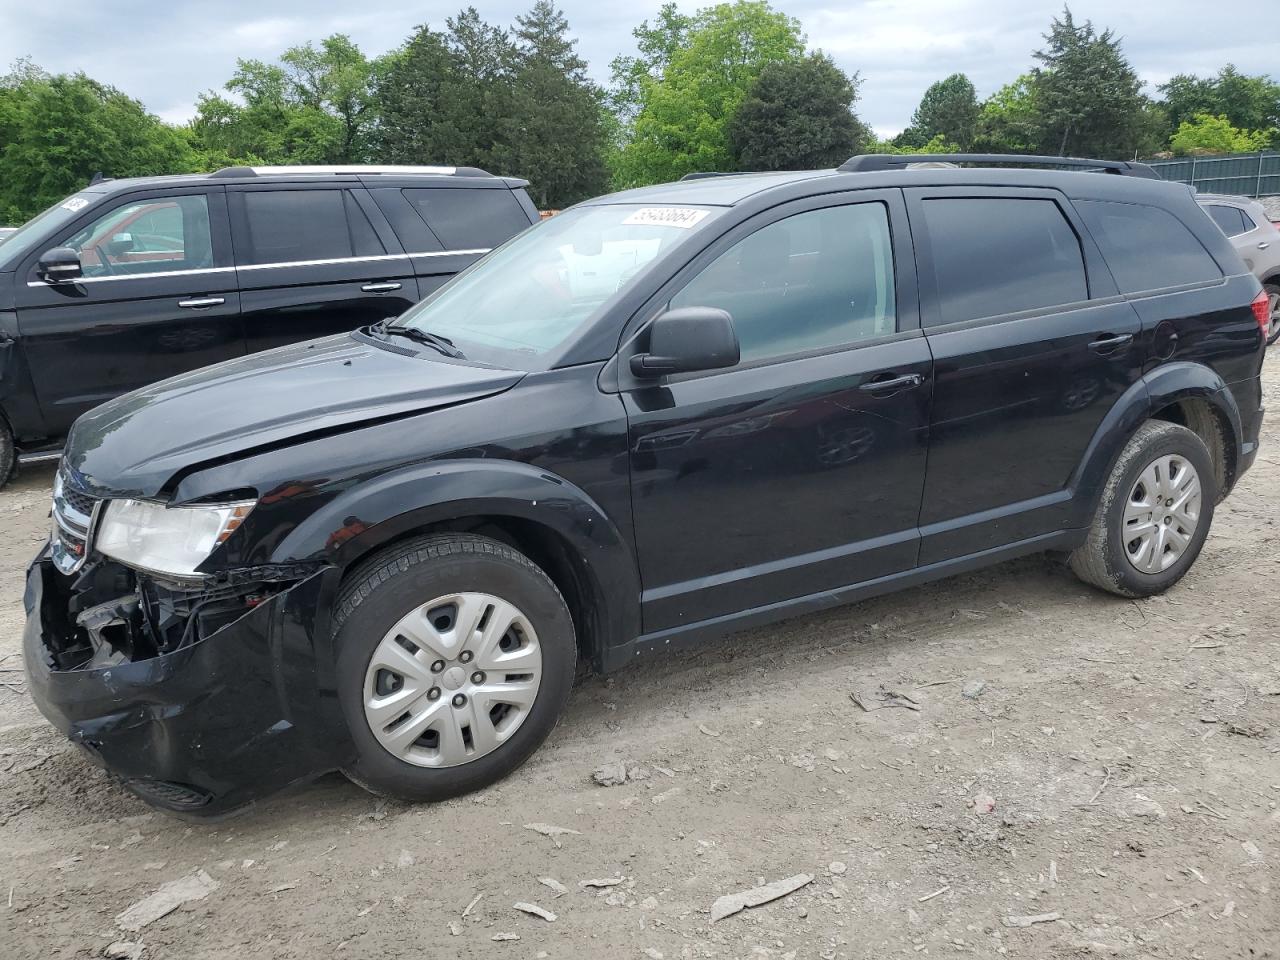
[[663, 414]]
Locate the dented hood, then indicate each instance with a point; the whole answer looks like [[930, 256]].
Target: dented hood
[[133, 445]]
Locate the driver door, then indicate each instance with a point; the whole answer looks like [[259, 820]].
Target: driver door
[[157, 297]]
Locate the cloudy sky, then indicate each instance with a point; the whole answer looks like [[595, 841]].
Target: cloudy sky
[[165, 53]]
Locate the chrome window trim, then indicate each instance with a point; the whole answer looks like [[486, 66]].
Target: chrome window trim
[[204, 271]]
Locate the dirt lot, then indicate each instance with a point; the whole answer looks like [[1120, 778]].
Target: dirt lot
[[1106, 769]]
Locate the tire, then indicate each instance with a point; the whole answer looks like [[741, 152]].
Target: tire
[[1114, 558], [8, 454], [388, 620], [1273, 301]]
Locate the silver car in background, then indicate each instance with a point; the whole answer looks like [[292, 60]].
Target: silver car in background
[[1256, 239]]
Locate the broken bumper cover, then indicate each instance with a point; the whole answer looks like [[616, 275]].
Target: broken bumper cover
[[211, 727]]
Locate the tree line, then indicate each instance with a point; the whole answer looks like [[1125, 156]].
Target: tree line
[[733, 86]]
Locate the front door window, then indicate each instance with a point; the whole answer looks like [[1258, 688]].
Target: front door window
[[147, 236]]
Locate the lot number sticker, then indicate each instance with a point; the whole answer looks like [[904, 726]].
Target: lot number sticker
[[75, 203], [682, 217]]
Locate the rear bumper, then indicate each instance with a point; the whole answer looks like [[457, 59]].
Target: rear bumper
[[211, 727]]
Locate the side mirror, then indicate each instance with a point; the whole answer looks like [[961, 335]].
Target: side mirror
[[59, 265], [688, 339]]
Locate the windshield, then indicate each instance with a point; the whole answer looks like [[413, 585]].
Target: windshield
[[37, 229], [528, 297]]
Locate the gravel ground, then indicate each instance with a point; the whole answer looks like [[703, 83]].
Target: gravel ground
[[1082, 776]]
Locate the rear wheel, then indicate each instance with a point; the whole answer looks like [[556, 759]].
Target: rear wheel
[[456, 655], [1273, 305], [8, 454], [1154, 514]]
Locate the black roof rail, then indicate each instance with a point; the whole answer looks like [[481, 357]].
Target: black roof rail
[[890, 161]]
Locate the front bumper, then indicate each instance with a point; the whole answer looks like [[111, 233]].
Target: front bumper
[[211, 727]]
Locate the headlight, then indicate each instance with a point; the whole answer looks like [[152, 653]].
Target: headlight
[[172, 540]]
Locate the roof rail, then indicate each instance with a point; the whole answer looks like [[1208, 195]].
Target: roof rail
[[708, 174], [353, 169], [888, 161]]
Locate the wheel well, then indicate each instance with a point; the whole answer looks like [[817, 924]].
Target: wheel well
[[543, 546], [1208, 423]]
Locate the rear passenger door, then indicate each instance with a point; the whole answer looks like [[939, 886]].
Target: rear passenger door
[[446, 228], [314, 260], [1031, 344]]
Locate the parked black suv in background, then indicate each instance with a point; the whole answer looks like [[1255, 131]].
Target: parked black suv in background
[[662, 414], [131, 281]]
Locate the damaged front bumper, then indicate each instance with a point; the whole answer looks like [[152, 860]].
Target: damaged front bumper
[[229, 706]]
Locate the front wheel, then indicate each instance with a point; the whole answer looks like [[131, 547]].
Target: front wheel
[[8, 454], [456, 655], [1154, 514], [1273, 306]]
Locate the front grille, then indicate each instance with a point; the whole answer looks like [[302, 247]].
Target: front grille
[[72, 518]]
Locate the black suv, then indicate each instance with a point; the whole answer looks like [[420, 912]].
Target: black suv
[[662, 414], [132, 281]]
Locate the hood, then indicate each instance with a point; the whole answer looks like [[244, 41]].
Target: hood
[[133, 445]]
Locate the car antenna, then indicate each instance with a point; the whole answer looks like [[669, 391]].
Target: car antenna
[[98, 178]]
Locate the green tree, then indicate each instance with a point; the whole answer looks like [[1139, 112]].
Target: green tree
[[937, 145], [1088, 95], [315, 106], [682, 124], [948, 109], [1009, 121], [656, 44], [1248, 102], [1204, 134], [554, 136], [56, 132], [797, 115]]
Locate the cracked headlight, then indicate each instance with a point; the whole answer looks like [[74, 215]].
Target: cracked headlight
[[169, 540]]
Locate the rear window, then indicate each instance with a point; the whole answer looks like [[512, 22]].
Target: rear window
[[288, 226], [1147, 248], [469, 219], [1231, 219], [997, 255]]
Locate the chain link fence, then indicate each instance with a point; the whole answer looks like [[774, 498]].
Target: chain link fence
[[1246, 174]]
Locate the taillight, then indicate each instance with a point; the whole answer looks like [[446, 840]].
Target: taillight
[[1262, 311]]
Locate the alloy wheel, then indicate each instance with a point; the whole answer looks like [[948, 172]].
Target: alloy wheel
[[1161, 514], [1273, 326], [452, 680]]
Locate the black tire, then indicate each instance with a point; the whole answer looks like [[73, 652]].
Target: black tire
[[1273, 292], [1103, 561], [394, 582], [8, 454]]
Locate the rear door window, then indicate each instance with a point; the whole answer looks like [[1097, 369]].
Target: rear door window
[[469, 219], [998, 255], [1146, 248], [297, 226], [1230, 219]]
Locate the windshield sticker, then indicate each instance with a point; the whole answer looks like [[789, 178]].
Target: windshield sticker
[[75, 204], [682, 217]]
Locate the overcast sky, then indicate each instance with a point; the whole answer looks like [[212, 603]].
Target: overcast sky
[[165, 53]]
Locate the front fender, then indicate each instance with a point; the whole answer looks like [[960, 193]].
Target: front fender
[[391, 506], [1157, 389]]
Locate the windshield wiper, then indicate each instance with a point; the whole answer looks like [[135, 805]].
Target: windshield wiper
[[436, 341]]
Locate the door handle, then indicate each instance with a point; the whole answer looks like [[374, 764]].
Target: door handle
[[380, 287], [1263, 245], [202, 303], [1110, 344], [903, 382]]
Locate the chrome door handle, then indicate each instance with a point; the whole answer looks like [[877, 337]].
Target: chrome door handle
[[893, 383], [1109, 344], [201, 303], [380, 287], [1263, 245]]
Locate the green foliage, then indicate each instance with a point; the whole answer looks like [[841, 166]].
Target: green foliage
[[56, 132], [797, 116], [1204, 134], [1088, 96], [682, 122], [936, 145], [314, 106], [1247, 102], [948, 109], [1009, 121], [656, 45]]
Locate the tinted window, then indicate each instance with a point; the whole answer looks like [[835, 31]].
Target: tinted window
[[811, 281], [147, 236], [1002, 255], [469, 219], [286, 226], [1230, 219], [1147, 248]]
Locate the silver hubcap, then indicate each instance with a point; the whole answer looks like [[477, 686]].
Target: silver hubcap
[[1161, 515], [453, 680]]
